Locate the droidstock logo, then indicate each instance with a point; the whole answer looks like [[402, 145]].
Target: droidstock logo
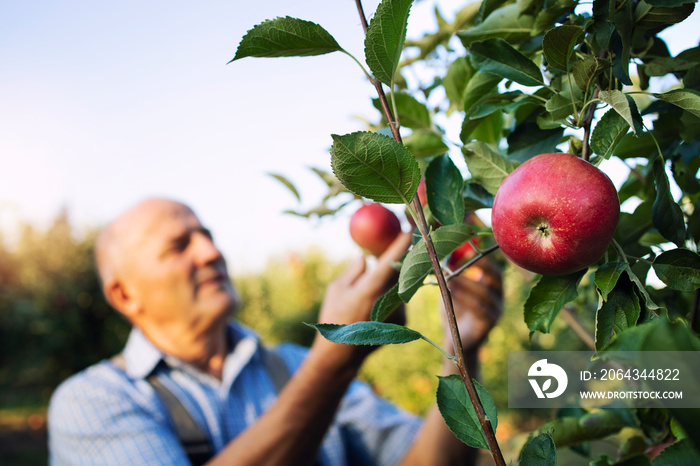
[[541, 369]]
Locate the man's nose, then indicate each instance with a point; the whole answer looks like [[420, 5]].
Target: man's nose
[[205, 250]]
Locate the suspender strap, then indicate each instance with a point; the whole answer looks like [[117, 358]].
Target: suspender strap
[[192, 437]]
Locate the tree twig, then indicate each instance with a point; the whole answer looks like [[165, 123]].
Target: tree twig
[[476, 258], [580, 331], [694, 311], [484, 422]]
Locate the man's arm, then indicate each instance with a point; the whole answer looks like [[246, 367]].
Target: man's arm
[[291, 431]]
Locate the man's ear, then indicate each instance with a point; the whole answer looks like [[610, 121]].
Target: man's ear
[[121, 299]]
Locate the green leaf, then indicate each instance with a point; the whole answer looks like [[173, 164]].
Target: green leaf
[[662, 66], [486, 8], [619, 313], [286, 37], [607, 275], [490, 129], [367, 333], [330, 180], [478, 86], [621, 42], [642, 290], [455, 82], [680, 453], [499, 57], [387, 304], [425, 143], [547, 298], [631, 146], [528, 140], [671, 336], [625, 106], [608, 132], [505, 22], [559, 106], [375, 166], [476, 197], [602, 32], [487, 167], [545, 121], [416, 266], [687, 99], [411, 113], [632, 339], [546, 18], [568, 431], [458, 412], [669, 3], [679, 269], [558, 45], [286, 183], [385, 37], [666, 214], [539, 451], [321, 210], [470, 126], [587, 70], [443, 182], [649, 17], [488, 104]]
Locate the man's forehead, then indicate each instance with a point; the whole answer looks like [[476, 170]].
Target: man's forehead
[[156, 217]]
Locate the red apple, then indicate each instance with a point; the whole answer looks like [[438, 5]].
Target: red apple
[[461, 255], [374, 227], [422, 196], [555, 214]]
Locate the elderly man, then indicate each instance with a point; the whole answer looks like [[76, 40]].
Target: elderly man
[[288, 406]]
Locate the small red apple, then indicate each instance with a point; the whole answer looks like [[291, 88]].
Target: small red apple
[[374, 227], [461, 255], [555, 214], [422, 196]]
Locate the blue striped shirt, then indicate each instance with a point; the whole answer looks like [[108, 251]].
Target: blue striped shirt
[[104, 415]]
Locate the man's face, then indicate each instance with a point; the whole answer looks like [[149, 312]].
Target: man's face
[[173, 269]]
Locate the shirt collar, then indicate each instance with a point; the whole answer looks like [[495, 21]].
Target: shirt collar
[[142, 356]]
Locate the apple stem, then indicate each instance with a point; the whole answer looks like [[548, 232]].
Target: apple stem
[[619, 250], [586, 150], [590, 113], [485, 423]]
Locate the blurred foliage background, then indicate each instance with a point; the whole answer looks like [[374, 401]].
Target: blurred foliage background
[[54, 321]]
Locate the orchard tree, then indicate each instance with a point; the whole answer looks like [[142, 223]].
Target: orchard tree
[[530, 78]]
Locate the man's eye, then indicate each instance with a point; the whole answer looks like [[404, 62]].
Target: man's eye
[[181, 244]]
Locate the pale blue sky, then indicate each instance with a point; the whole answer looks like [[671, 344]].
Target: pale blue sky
[[105, 103]]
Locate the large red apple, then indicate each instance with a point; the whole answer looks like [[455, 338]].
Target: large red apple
[[555, 214], [374, 227]]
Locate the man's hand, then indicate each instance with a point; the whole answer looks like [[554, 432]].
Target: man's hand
[[350, 297], [477, 296]]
